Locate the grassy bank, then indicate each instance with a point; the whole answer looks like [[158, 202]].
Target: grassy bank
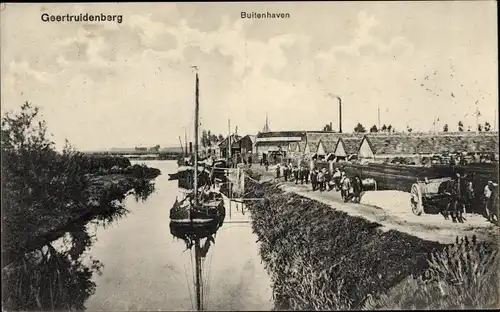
[[49, 194], [322, 259], [44, 189]]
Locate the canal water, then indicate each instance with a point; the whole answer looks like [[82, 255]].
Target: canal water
[[146, 268]]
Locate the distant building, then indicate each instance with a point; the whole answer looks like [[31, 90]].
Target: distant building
[[273, 146], [320, 143], [246, 144], [222, 146], [382, 147]]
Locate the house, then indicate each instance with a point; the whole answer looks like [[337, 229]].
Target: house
[[273, 146], [381, 147], [325, 148], [347, 146], [247, 144], [320, 143], [222, 146]]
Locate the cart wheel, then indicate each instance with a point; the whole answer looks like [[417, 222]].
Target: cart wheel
[[416, 199]]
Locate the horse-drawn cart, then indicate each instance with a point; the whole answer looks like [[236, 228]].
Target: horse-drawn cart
[[428, 193]]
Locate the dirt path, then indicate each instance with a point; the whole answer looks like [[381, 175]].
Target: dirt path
[[394, 215]]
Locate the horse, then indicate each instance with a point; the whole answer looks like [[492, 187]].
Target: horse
[[457, 201]]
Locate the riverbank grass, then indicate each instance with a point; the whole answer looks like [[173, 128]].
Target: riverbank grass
[[323, 259]]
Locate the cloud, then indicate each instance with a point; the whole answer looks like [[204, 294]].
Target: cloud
[[129, 84]]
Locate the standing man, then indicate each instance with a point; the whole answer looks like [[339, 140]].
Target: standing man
[[314, 181], [321, 180], [457, 205], [490, 202], [336, 179], [278, 171]]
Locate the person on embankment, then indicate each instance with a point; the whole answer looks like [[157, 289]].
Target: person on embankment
[[314, 181], [490, 201], [278, 171]]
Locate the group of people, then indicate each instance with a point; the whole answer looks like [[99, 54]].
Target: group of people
[[293, 173], [323, 180]]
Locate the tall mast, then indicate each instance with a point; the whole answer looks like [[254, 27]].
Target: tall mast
[[185, 142], [182, 147], [197, 241], [196, 121]]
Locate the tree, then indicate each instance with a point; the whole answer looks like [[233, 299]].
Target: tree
[[487, 126], [479, 127], [373, 129], [384, 128], [21, 131], [389, 128], [359, 128], [221, 137], [445, 128], [460, 126], [204, 139], [409, 129]]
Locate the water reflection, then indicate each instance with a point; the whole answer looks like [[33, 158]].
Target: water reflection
[[55, 275]]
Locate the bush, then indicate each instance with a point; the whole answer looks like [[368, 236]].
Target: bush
[[462, 276]]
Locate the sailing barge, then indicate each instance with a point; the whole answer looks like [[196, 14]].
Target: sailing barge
[[201, 213]]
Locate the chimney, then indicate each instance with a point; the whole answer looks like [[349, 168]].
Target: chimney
[[190, 147], [331, 129]]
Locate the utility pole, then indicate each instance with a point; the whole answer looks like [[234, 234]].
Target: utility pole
[[378, 116], [340, 113], [229, 139], [495, 123]]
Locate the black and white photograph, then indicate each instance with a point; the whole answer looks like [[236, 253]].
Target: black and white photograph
[[249, 156]]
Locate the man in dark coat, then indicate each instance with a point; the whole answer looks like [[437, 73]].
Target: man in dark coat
[[314, 181]]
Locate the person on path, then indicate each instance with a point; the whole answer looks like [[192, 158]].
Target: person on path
[[336, 179], [296, 174], [266, 163], [491, 201], [301, 174], [314, 181], [321, 180], [457, 202], [307, 174], [278, 171]]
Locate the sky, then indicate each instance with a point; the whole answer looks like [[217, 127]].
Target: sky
[[105, 84]]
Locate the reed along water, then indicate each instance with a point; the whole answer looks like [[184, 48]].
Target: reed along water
[[146, 268]]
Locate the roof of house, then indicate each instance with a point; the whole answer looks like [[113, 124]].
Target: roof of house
[[277, 134], [328, 145], [283, 145], [234, 138], [351, 144], [431, 143], [329, 139]]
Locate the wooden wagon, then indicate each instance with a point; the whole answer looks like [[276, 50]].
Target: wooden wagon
[[426, 194]]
